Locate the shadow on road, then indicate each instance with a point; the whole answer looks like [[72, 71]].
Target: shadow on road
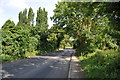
[[52, 65]]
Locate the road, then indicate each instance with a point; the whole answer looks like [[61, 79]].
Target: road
[[52, 65]]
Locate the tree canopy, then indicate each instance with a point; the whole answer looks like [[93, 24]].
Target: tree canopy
[[90, 24]]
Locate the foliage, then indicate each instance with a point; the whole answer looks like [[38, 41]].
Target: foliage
[[101, 64], [30, 17], [6, 57], [66, 42], [24, 38], [23, 17], [87, 24], [93, 26]]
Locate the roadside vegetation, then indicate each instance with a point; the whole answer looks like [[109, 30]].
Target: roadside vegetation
[[101, 64], [28, 38], [91, 28], [94, 26]]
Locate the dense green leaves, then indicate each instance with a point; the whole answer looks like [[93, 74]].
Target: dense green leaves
[[94, 26], [41, 19], [88, 27], [31, 17], [101, 64], [17, 40], [8, 24], [23, 19], [88, 23]]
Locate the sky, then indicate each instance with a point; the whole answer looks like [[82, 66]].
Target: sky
[[9, 9]]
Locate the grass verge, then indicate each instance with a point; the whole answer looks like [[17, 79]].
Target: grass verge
[[6, 57], [101, 64]]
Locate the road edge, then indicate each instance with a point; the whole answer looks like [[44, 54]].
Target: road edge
[[69, 66], [75, 70]]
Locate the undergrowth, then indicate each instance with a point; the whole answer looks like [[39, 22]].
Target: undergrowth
[[101, 64], [6, 57]]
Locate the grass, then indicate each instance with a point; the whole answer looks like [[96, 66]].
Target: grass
[[6, 57], [101, 64], [31, 54]]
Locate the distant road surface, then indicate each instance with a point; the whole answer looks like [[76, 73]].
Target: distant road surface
[[52, 65]]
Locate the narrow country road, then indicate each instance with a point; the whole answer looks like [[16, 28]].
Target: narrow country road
[[53, 65]]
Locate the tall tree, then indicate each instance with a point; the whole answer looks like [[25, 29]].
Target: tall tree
[[45, 18], [20, 18], [23, 17], [25, 21], [30, 17], [39, 17]]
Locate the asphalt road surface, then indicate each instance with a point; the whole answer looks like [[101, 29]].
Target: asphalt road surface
[[52, 65]]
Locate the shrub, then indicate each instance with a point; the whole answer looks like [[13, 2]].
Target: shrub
[[102, 64]]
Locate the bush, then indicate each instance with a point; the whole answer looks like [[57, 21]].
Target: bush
[[101, 64], [6, 57]]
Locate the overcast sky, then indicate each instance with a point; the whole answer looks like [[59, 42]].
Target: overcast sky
[[9, 9]]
